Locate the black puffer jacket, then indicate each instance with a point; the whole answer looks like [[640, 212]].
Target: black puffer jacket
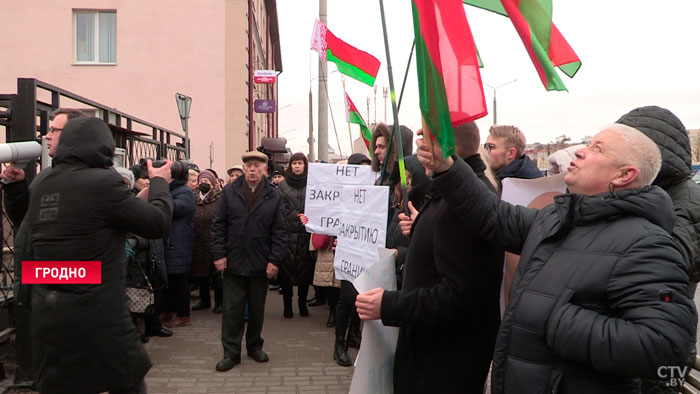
[[588, 309], [664, 128], [522, 168], [299, 264], [82, 334], [249, 238]]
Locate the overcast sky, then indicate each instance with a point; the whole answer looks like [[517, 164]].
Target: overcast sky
[[634, 53]]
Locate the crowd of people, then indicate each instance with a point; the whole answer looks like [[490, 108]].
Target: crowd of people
[[599, 297]]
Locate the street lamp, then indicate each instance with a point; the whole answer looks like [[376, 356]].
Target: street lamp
[[494, 96], [183, 107]]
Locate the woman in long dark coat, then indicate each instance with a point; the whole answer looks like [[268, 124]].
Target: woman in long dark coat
[[83, 338], [298, 269], [203, 272]]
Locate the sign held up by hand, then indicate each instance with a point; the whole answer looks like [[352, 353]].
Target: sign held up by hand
[[324, 189]]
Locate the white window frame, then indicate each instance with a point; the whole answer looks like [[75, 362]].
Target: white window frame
[[96, 38]]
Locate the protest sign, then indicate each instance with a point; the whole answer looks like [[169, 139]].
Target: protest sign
[[324, 186], [361, 230], [374, 366]]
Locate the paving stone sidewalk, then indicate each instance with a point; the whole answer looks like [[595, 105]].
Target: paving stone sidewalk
[[300, 350]]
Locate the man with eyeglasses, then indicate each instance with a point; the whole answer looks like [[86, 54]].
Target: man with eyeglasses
[[16, 189], [506, 146], [249, 242]]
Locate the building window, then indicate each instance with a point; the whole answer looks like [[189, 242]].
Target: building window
[[95, 37]]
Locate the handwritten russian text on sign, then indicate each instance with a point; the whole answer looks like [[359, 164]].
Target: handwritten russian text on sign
[[362, 229], [324, 187]]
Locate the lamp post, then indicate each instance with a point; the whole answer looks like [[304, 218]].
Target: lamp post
[[183, 107], [311, 140], [494, 96], [385, 91]]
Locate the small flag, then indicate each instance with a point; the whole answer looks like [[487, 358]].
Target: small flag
[[544, 43], [351, 61], [352, 115]]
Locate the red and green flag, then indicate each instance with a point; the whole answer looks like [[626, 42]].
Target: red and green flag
[[545, 45], [449, 82], [351, 61], [352, 115]]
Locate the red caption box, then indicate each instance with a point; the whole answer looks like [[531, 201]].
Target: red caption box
[[62, 272]]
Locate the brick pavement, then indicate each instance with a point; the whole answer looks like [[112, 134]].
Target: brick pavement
[[300, 350]]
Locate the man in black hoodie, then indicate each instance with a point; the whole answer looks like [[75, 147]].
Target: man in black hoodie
[[82, 334], [448, 308], [381, 151]]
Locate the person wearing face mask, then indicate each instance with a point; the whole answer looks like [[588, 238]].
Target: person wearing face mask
[[207, 195]]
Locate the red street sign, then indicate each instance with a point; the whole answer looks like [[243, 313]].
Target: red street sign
[[265, 76]]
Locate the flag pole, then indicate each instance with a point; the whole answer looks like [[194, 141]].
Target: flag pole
[[347, 117], [405, 75], [395, 131]]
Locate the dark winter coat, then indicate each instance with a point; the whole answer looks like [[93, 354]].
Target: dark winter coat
[[394, 237], [299, 264], [202, 259], [448, 309], [82, 335], [669, 134], [522, 168], [249, 238], [599, 298], [179, 243]]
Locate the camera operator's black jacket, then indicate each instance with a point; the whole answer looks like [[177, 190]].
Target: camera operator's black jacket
[[82, 334], [249, 238]]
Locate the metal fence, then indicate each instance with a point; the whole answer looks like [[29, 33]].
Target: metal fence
[[25, 116]]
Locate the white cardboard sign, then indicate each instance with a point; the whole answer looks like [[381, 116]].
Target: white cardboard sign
[[361, 230], [324, 188]]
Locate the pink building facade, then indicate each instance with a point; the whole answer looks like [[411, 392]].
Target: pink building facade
[[135, 55]]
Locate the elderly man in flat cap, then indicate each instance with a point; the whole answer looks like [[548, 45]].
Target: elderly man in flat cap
[[249, 242]]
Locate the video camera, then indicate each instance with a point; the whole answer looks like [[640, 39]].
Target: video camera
[[179, 170], [19, 152]]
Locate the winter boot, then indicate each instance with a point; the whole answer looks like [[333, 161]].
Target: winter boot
[[303, 310], [331, 318], [354, 333], [340, 353], [288, 308]]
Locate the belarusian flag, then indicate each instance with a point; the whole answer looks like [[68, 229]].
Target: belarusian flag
[[351, 61], [449, 82], [543, 41], [353, 116]]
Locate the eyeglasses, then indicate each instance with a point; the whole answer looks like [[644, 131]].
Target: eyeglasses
[[53, 130], [488, 147]]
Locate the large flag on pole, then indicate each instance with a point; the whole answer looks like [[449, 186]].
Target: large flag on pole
[[545, 45], [449, 82], [352, 115], [351, 61]]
